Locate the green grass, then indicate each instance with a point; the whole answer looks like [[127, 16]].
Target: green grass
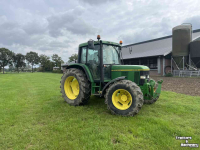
[[33, 115]]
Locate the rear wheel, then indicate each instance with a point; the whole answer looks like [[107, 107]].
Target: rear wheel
[[124, 98], [75, 87]]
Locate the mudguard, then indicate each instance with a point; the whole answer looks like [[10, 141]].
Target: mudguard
[[116, 79]]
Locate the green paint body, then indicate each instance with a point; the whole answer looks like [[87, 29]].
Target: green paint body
[[131, 72]]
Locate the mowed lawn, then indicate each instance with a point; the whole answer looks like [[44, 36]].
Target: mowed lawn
[[33, 115]]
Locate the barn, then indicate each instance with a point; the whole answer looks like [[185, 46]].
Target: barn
[[155, 53]]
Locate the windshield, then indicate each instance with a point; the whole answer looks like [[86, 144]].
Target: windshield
[[111, 54]]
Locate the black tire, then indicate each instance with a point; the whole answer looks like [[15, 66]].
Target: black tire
[[153, 99], [135, 92], [84, 87]]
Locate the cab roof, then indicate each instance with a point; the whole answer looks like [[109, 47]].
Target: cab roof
[[97, 42]]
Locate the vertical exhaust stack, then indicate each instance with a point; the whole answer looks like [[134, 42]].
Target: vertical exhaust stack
[[181, 37]]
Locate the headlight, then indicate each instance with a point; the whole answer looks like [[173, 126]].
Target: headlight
[[142, 77]]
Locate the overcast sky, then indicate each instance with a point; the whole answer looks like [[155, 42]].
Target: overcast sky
[[59, 26]]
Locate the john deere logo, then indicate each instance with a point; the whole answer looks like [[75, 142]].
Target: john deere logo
[[130, 50]]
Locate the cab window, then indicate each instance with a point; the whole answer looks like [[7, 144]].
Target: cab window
[[83, 55]]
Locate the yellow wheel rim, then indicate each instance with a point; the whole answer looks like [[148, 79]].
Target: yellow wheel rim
[[71, 87], [121, 99]]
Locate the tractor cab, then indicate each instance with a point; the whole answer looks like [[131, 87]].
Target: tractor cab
[[103, 58], [99, 56]]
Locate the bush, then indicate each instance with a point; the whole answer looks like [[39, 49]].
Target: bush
[[168, 75], [57, 71]]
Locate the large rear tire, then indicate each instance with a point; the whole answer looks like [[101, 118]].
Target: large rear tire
[[75, 87], [124, 98]]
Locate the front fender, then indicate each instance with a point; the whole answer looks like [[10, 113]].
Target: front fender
[[116, 79]]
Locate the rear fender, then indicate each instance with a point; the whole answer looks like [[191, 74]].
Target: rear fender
[[84, 68]]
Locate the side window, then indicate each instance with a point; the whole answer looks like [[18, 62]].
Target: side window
[[93, 56], [83, 55]]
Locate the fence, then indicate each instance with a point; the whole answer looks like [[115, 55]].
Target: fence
[[186, 73]]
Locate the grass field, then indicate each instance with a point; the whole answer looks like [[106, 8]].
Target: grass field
[[33, 115]]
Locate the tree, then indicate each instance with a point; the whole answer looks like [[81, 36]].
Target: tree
[[11, 68], [6, 57], [57, 60], [73, 57], [44, 61], [19, 61], [27, 68], [50, 65], [32, 58]]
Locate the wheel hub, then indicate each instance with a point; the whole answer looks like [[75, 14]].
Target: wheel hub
[[122, 99], [71, 87]]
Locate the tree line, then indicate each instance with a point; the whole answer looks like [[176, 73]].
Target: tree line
[[23, 62]]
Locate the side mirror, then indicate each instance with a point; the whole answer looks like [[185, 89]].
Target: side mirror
[[91, 44]]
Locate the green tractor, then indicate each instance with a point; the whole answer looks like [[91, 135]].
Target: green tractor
[[100, 71]]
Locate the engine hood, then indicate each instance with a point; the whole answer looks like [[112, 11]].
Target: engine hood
[[129, 68]]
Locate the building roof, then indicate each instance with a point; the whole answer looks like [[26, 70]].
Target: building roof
[[156, 47]]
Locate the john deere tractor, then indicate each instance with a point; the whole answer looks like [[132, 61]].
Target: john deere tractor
[[99, 71]]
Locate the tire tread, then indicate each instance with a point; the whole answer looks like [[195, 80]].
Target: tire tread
[[137, 91], [84, 86]]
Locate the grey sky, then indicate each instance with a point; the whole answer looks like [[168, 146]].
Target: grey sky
[[49, 26]]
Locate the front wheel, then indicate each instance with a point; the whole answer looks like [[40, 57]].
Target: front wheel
[[124, 98]]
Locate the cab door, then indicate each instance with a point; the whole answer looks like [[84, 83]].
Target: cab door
[[93, 62], [90, 57]]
